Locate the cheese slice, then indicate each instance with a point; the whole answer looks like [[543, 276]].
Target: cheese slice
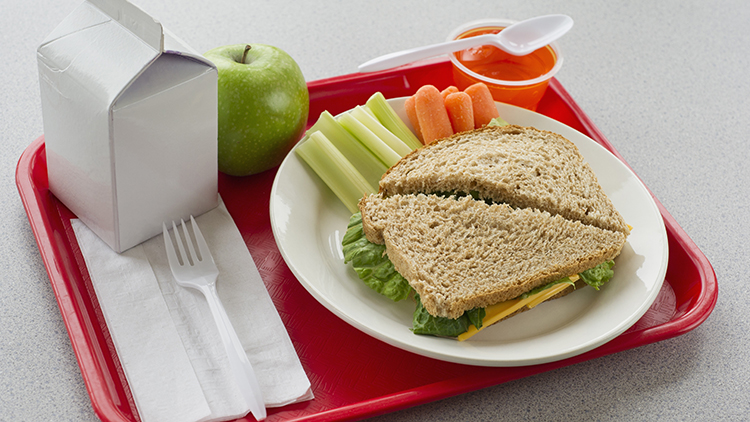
[[548, 293], [495, 313]]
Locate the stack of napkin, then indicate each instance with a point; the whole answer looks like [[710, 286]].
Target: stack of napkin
[[166, 338]]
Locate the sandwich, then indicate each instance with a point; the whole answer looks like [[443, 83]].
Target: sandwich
[[482, 225]]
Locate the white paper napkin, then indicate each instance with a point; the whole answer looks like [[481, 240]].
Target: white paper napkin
[[166, 338]]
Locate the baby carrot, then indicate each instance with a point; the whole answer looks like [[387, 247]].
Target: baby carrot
[[460, 111], [483, 103], [433, 119], [411, 112], [447, 91]]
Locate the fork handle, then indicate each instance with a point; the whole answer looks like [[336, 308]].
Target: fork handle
[[239, 364]]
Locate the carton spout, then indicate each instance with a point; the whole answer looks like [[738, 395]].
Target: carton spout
[[135, 20]]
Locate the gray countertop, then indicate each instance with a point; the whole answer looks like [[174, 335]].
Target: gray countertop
[[666, 82]]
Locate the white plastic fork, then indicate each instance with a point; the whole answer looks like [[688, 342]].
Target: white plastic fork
[[200, 272]]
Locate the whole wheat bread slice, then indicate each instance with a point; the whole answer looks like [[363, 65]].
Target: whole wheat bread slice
[[521, 166], [459, 253]]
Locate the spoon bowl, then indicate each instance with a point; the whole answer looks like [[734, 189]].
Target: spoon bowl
[[526, 36]]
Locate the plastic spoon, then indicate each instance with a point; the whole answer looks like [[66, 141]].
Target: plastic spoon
[[519, 39]]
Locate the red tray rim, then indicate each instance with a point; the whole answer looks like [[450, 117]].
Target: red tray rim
[[94, 378]]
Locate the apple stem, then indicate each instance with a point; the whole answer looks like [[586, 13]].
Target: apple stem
[[244, 53]]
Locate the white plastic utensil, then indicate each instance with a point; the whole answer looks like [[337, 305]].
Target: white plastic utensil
[[200, 273], [519, 39]]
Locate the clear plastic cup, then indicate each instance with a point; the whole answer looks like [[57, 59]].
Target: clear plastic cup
[[515, 80]]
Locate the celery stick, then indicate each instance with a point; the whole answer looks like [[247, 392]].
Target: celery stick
[[367, 163], [367, 109], [389, 118], [369, 139], [380, 131], [334, 169]]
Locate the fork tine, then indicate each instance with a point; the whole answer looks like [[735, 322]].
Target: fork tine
[[189, 241], [180, 247], [171, 256], [201, 241]]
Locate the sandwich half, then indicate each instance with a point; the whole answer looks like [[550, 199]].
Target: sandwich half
[[461, 255], [521, 166]]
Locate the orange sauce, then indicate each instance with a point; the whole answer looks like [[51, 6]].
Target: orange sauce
[[494, 63]]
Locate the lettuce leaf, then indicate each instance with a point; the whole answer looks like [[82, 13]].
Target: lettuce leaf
[[424, 323], [497, 121], [597, 276], [371, 262], [476, 316]]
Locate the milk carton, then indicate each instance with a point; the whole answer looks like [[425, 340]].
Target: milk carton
[[130, 122]]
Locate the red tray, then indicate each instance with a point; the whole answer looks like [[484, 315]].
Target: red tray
[[353, 375]]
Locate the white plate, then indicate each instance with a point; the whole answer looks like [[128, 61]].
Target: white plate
[[309, 222]]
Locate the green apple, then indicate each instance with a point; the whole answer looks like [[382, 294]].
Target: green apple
[[263, 106]]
